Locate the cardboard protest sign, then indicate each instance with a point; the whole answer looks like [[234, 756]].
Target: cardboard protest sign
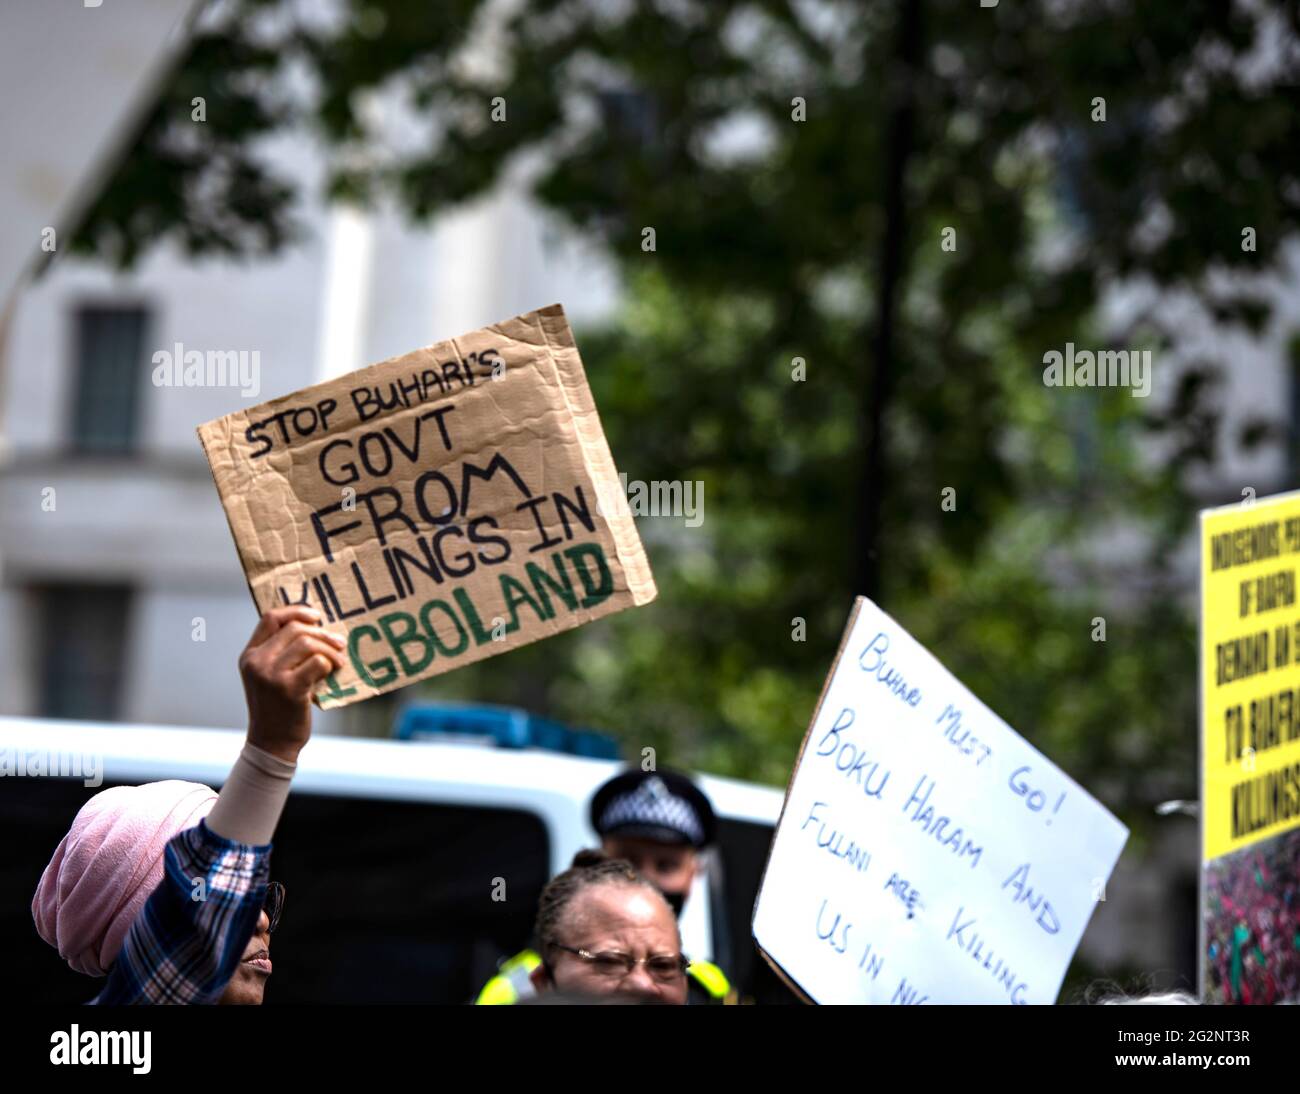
[[925, 853], [1250, 673], [1250, 752], [443, 506]]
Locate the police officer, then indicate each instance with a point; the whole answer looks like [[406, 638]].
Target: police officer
[[658, 821]]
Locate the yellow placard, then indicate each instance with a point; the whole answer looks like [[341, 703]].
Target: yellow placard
[[1250, 673]]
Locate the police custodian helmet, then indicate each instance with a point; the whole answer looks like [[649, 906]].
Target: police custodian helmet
[[659, 805]]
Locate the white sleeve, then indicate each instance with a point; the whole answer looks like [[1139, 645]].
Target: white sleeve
[[252, 798]]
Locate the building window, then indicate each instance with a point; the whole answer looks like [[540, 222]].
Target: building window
[[110, 363], [83, 631]]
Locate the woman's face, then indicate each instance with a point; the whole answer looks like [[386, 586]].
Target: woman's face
[[614, 917], [248, 985]]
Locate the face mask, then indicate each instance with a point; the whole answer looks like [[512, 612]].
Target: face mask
[[676, 901]]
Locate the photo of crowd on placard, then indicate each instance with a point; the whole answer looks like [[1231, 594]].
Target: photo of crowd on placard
[[1252, 924]]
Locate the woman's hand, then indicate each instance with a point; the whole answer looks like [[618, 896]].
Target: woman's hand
[[288, 655]]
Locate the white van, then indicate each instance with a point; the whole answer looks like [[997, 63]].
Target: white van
[[411, 867]]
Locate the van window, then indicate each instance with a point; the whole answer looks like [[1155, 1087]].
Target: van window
[[743, 846], [393, 902], [35, 813]]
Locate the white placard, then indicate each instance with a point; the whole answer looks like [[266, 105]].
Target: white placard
[[926, 853]]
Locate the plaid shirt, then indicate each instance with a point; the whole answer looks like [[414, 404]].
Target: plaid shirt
[[190, 936]]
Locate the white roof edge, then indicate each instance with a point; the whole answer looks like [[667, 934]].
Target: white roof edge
[[374, 767]]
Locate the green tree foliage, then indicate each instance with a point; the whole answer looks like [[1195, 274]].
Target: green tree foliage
[[773, 243]]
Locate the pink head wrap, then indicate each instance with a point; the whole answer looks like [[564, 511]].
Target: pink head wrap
[[107, 866]]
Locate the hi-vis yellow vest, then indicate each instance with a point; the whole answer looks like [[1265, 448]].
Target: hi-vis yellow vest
[[513, 982]]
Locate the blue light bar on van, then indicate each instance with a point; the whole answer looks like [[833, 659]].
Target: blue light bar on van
[[506, 727]]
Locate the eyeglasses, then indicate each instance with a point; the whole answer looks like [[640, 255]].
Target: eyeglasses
[[616, 965], [273, 905]]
